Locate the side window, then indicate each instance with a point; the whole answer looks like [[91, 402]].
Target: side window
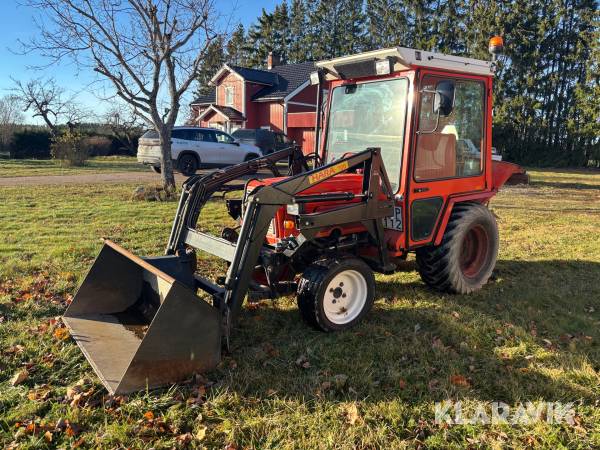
[[197, 135], [450, 145], [208, 135], [223, 138], [179, 134]]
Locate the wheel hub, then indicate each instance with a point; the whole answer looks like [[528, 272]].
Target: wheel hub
[[345, 297], [474, 251]]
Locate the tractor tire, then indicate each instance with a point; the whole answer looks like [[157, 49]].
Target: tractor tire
[[466, 257], [188, 164], [336, 294], [155, 169]]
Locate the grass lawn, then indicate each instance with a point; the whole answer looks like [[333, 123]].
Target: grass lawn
[[36, 167], [532, 334]]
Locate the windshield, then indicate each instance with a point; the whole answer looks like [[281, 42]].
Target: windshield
[[369, 115]]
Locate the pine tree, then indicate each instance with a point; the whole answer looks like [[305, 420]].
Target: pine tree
[[299, 44], [387, 25], [213, 61], [236, 51]]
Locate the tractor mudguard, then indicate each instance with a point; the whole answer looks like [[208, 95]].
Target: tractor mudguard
[[502, 171]]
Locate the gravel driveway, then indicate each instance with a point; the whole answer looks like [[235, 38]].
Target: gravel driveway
[[92, 178]]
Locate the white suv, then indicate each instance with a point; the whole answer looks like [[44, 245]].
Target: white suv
[[193, 148]]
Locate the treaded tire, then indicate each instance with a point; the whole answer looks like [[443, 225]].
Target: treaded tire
[[312, 288], [466, 257], [188, 164]]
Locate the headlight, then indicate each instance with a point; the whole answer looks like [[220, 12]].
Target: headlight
[[293, 209]]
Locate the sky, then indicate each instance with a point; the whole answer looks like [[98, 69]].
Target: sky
[[16, 23]]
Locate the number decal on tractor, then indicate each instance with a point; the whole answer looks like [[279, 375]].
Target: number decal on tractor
[[394, 222]]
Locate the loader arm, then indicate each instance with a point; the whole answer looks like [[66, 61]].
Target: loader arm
[[261, 206]]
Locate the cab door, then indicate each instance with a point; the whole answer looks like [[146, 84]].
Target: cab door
[[449, 150]]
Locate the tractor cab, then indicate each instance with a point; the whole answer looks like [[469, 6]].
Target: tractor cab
[[429, 114]]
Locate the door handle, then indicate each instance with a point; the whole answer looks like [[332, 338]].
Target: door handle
[[418, 190]]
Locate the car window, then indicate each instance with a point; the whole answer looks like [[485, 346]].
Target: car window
[[223, 138], [180, 134], [150, 134], [207, 136], [243, 134]]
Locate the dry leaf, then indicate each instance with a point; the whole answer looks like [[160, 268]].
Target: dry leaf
[[402, 384], [149, 415], [61, 334], [201, 433], [48, 436], [351, 413], [19, 377], [459, 380], [14, 349]]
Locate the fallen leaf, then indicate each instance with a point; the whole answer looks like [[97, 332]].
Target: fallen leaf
[[48, 436], [149, 415], [459, 380], [351, 413], [402, 384], [41, 393], [13, 349], [201, 433], [185, 438], [19, 377], [61, 334]]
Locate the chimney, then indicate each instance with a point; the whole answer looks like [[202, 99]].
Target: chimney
[[272, 60]]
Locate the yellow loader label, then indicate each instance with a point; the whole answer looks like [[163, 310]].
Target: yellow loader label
[[326, 173]]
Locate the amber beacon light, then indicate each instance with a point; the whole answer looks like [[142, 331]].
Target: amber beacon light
[[496, 45]]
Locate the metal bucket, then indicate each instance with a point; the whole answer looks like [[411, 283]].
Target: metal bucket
[[139, 322]]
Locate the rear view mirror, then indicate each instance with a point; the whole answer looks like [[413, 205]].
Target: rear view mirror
[[443, 102]]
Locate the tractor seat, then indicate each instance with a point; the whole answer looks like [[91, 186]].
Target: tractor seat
[[436, 156]]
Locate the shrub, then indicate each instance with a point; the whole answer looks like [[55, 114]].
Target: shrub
[[98, 145], [69, 148], [30, 143]]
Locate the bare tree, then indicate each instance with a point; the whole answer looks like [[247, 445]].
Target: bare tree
[[124, 124], [10, 116], [47, 100], [149, 50]]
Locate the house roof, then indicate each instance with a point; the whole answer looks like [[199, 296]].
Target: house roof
[[256, 75], [289, 78], [206, 99], [279, 81], [226, 111]]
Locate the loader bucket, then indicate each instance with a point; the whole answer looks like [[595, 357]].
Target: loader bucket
[[140, 327]]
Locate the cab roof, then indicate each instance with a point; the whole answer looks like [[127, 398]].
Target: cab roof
[[405, 59]]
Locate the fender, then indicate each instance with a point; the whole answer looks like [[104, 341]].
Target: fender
[[502, 171], [480, 197]]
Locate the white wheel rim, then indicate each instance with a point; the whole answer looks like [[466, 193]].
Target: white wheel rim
[[345, 297]]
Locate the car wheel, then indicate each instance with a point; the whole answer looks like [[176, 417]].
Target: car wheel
[[155, 169], [187, 164]]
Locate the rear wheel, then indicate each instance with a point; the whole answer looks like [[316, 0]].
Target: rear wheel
[[155, 169], [187, 164], [336, 294], [466, 257]]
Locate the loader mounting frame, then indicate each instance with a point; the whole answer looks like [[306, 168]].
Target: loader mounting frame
[[373, 204]]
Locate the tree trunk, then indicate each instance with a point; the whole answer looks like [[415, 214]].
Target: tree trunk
[[166, 165]]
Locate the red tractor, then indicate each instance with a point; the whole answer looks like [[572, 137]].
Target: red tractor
[[405, 165]]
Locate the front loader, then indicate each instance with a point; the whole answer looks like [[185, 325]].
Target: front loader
[[404, 167]]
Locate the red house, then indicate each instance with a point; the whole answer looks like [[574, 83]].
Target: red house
[[279, 98]]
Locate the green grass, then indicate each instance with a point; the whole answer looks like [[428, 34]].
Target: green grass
[[42, 167], [531, 334]]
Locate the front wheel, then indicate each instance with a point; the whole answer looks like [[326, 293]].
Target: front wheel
[[466, 257], [336, 294]]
